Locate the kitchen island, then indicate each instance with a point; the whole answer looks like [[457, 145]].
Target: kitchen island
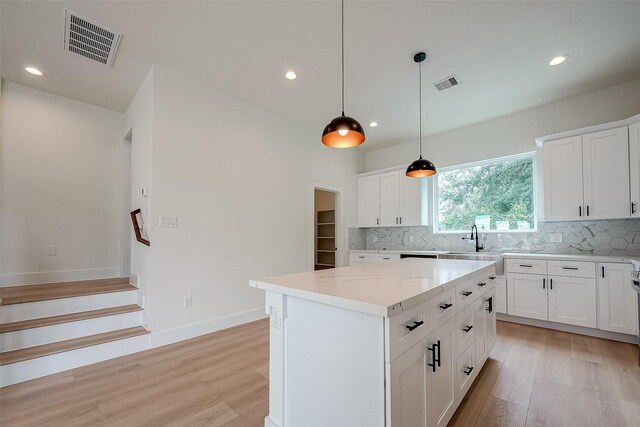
[[394, 344]]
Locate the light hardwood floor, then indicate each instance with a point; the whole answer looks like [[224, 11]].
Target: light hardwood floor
[[535, 377]]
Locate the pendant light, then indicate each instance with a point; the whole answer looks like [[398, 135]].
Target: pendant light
[[421, 167], [343, 131]]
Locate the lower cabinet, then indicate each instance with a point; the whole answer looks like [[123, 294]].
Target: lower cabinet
[[481, 331], [572, 300], [500, 302], [618, 302], [441, 376], [490, 320], [408, 381], [527, 295]]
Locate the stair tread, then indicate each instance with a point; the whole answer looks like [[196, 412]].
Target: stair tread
[[66, 318], [49, 291], [28, 353]]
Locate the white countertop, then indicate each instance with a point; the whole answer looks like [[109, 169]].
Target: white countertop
[[565, 257], [378, 289]]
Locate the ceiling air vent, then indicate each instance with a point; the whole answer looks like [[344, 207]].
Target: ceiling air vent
[[447, 83], [89, 39]]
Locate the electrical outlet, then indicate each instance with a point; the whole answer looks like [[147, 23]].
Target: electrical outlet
[[411, 239], [168, 221], [188, 301], [555, 238], [51, 250], [275, 319], [375, 239]]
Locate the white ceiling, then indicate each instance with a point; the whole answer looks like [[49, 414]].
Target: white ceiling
[[499, 50]]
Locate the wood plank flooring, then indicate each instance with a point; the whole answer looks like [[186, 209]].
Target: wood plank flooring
[[535, 377], [49, 291]]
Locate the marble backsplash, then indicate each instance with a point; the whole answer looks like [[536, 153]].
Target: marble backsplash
[[607, 237]]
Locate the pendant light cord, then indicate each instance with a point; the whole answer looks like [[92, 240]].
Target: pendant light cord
[[342, 44], [420, 84]]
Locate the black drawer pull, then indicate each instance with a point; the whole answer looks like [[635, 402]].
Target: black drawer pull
[[467, 328], [490, 301], [526, 265], [416, 324], [492, 277], [481, 284], [467, 293], [468, 370], [435, 359], [570, 268], [445, 306], [360, 256]]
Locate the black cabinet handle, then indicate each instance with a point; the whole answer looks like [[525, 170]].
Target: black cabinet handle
[[435, 349], [438, 354], [490, 301], [396, 220], [603, 271], [633, 208], [400, 220], [467, 293], [492, 277], [569, 268], [377, 221], [467, 328], [416, 324], [445, 306], [526, 265], [481, 284], [544, 282], [587, 210], [579, 210], [551, 284], [468, 370]]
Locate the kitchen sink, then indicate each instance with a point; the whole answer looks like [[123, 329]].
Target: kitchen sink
[[478, 256]]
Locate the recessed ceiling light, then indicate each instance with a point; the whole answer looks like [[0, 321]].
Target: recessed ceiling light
[[34, 71], [558, 59], [373, 124], [290, 75]]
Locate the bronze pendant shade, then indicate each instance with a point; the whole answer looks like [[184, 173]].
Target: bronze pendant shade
[[343, 131], [421, 167]]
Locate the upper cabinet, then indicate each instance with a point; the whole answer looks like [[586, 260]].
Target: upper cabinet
[[634, 155], [391, 199], [587, 176]]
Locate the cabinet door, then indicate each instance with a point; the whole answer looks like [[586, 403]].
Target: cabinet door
[[572, 300], [441, 383], [606, 174], [634, 164], [618, 302], [563, 179], [413, 207], [408, 375], [500, 302], [481, 332], [390, 199], [527, 295], [490, 320], [368, 201]]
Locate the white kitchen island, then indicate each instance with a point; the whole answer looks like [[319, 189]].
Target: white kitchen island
[[394, 344]]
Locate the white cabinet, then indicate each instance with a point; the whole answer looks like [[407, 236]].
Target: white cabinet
[[572, 300], [491, 332], [362, 257], [563, 194], [618, 302], [634, 165], [527, 295], [480, 320], [391, 199], [500, 303], [587, 176], [441, 388], [606, 174], [368, 201], [408, 380]]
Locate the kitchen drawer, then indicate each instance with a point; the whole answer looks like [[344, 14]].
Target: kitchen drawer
[[466, 293], [405, 329], [572, 268], [465, 371], [360, 257], [387, 257], [442, 308], [465, 330], [481, 284], [527, 266]]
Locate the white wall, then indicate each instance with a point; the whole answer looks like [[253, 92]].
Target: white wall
[[515, 133], [239, 180], [60, 187]]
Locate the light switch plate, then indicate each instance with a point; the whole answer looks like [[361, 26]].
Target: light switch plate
[[168, 221], [188, 301], [375, 239], [51, 250], [411, 239]]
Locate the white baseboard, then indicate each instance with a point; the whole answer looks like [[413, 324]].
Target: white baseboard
[[614, 336], [170, 336], [13, 279]]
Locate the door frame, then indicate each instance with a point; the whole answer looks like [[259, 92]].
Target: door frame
[[312, 232], [126, 242]]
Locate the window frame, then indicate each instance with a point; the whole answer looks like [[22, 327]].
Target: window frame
[[436, 193]]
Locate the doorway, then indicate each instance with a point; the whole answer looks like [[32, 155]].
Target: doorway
[[325, 226], [126, 238]]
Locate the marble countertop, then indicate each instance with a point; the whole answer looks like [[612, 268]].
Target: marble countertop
[[377, 289], [560, 257]]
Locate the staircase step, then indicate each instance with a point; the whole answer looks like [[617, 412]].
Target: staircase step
[[66, 318], [29, 353], [50, 291]]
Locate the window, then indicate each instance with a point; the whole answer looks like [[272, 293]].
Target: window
[[497, 195]]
